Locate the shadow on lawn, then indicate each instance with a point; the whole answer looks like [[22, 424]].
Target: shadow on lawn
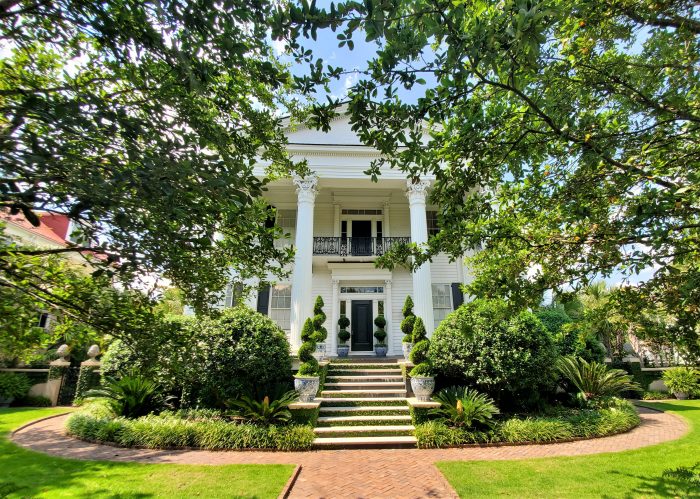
[[664, 406], [658, 486]]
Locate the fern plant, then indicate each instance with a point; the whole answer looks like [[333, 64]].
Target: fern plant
[[266, 411], [465, 407], [131, 396], [594, 380]]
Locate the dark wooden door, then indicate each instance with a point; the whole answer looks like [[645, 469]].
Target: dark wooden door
[[361, 326], [361, 237]]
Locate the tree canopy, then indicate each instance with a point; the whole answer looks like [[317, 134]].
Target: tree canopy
[[142, 122], [563, 135]]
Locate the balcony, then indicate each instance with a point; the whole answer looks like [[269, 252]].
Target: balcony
[[356, 246]]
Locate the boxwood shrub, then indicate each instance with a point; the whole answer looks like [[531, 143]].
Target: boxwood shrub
[[172, 431], [204, 361], [508, 355], [569, 424]]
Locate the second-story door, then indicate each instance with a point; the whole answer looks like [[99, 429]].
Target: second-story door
[[361, 237]]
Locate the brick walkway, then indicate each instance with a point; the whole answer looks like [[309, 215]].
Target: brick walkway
[[395, 473]]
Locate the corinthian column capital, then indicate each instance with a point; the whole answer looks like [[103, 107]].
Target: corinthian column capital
[[416, 191], [306, 187]]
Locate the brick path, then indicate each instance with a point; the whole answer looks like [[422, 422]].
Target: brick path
[[395, 473]]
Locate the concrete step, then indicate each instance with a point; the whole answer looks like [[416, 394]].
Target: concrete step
[[350, 401], [368, 378], [363, 365], [375, 393], [365, 384], [387, 441], [335, 430], [365, 372], [365, 408], [356, 420]]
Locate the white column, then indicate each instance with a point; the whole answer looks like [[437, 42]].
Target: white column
[[335, 315], [387, 316], [422, 282], [387, 216], [302, 302], [336, 219]]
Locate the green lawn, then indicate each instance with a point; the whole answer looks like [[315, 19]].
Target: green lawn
[[30, 474], [625, 474]]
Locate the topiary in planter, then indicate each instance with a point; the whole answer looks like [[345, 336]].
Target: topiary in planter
[[309, 364], [343, 334], [320, 333], [380, 347], [407, 324], [419, 352]]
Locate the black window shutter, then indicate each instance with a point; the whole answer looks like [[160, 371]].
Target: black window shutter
[[457, 296], [264, 299]]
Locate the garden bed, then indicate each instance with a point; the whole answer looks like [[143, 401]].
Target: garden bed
[[186, 430], [567, 425]]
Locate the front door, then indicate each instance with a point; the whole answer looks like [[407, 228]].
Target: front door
[[361, 237], [361, 326]]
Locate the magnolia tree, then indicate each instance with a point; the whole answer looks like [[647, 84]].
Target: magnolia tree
[[563, 135], [142, 122]]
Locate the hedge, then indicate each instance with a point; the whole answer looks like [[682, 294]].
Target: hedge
[[575, 424], [169, 431]]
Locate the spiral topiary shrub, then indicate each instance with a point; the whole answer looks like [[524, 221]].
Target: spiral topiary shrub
[[408, 321], [309, 364], [419, 352], [320, 333]]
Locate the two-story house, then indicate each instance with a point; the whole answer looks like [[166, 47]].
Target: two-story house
[[340, 222]]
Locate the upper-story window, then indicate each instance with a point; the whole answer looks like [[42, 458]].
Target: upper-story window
[[234, 293], [432, 219], [287, 221]]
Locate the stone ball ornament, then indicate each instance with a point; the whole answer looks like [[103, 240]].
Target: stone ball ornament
[[93, 351], [63, 351]]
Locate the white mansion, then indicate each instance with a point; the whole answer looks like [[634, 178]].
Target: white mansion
[[339, 222]]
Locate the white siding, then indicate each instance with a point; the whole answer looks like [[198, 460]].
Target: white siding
[[402, 286]]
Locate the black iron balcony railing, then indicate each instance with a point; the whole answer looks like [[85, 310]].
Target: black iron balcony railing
[[356, 246]]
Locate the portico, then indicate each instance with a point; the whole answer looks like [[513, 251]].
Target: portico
[[345, 243]]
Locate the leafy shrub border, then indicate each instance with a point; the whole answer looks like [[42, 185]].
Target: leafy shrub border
[[172, 432], [584, 425]]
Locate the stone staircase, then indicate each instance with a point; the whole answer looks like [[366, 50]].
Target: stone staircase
[[363, 404]]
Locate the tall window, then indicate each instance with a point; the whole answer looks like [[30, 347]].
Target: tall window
[[432, 220], [442, 302], [281, 305], [287, 221], [234, 292], [44, 320]]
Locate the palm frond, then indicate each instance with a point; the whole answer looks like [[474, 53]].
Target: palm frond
[[595, 380]]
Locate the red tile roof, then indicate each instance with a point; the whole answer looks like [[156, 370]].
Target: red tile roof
[[44, 230]]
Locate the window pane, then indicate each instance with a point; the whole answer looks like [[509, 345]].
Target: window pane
[[442, 302], [280, 305], [431, 217]]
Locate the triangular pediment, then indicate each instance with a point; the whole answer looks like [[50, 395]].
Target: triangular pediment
[[340, 134]]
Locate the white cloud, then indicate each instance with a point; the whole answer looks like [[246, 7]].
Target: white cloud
[[279, 47]]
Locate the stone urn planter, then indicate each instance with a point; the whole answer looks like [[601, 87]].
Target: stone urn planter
[[380, 350], [320, 353], [307, 387], [406, 347], [423, 387], [343, 350], [6, 401], [680, 395]]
